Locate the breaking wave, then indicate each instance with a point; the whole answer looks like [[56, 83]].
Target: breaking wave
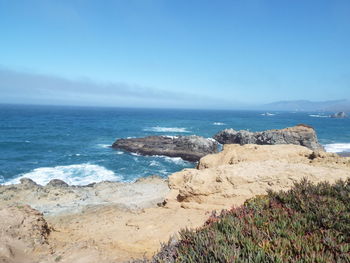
[[337, 147], [318, 116], [219, 123], [104, 145], [76, 174], [166, 129]]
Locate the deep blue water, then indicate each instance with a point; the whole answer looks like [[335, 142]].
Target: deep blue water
[[71, 143]]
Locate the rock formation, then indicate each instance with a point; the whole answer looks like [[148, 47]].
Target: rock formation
[[303, 135], [115, 222], [241, 172], [58, 197], [23, 231], [339, 115], [189, 148]]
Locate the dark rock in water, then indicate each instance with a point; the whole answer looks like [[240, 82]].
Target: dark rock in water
[[189, 148], [339, 115], [344, 154], [57, 183], [301, 134], [28, 182]]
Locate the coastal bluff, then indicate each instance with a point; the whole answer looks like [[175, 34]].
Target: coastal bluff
[[301, 134], [102, 227]]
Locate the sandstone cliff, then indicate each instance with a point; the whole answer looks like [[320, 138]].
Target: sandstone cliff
[[241, 172]]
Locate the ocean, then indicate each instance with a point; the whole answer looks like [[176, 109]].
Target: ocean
[[72, 143]]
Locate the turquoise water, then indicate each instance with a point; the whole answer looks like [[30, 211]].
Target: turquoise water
[[71, 143]]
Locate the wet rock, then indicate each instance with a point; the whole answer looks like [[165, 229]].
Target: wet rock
[[189, 148], [57, 183], [339, 115], [27, 182]]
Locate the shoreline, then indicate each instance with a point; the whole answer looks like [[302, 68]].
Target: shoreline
[[118, 222], [6, 183]]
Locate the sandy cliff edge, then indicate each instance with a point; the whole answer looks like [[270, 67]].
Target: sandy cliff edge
[[98, 224]]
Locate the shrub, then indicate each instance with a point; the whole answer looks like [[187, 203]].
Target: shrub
[[309, 223]]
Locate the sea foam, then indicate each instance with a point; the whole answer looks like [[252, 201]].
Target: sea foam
[[219, 123], [76, 174], [318, 116], [166, 129], [104, 145], [337, 147]]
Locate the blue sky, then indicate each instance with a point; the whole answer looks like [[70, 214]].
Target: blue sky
[[173, 53]]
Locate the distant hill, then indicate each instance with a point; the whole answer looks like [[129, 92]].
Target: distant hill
[[305, 105]]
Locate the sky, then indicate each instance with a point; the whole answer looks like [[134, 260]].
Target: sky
[[173, 53]]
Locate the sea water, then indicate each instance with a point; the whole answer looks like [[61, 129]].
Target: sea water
[[73, 143]]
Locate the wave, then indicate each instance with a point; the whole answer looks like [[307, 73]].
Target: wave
[[104, 145], [76, 174], [337, 147], [175, 160], [219, 123], [171, 137], [268, 114], [154, 163], [166, 129], [318, 116]]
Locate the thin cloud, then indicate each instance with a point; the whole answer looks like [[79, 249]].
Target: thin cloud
[[13, 82], [24, 87]]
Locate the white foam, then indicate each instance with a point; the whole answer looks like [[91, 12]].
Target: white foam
[[318, 116], [337, 147], [119, 152], [104, 145], [154, 163], [171, 137], [219, 123], [176, 160], [166, 129], [211, 139], [267, 114], [76, 174]]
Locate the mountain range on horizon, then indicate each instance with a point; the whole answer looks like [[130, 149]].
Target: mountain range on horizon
[[306, 105]]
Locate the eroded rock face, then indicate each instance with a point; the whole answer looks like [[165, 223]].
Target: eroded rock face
[[241, 172], [23, 231], [189, 148], [299, 135], [57, 197]]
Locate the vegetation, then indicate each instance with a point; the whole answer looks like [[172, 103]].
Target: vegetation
[[309, 223]]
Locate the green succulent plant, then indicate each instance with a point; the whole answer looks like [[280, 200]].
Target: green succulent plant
[[309, 223]]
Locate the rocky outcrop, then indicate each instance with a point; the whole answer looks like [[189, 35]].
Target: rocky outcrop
[[58, 197], [241, 172], [189, 148], [303, 135], [23, 231], [339, 115], [57, 183], [115, 222]]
